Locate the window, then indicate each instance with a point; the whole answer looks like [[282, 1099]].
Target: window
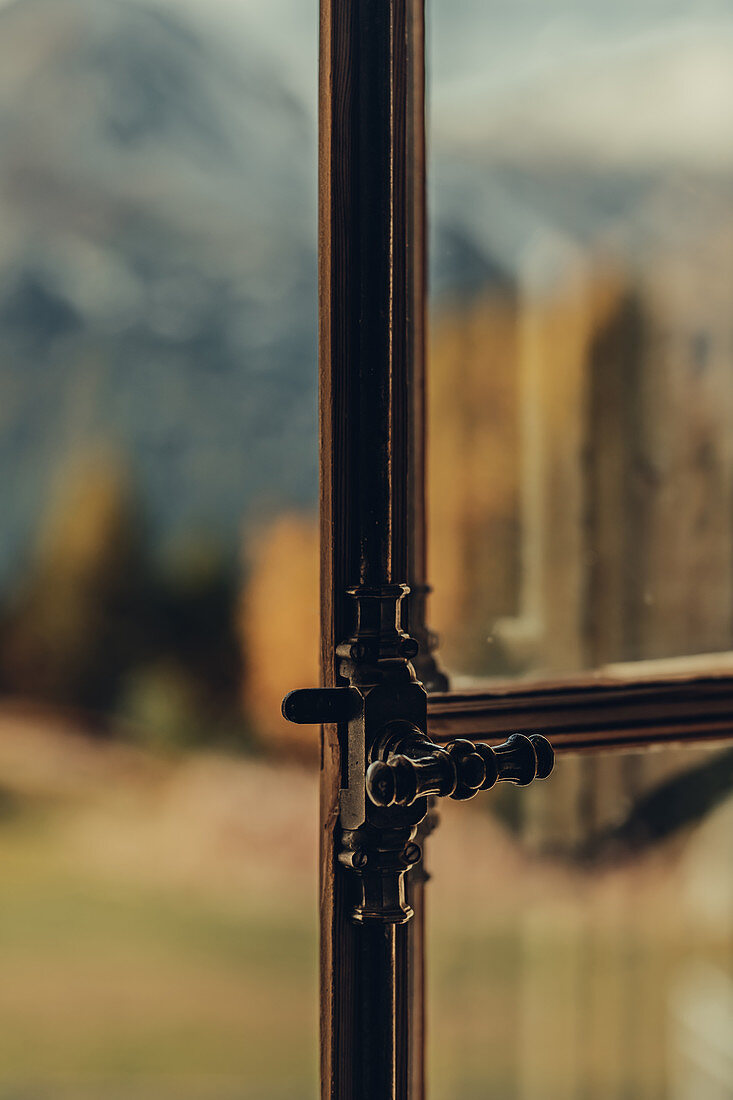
[[578, 435], [547, 514]]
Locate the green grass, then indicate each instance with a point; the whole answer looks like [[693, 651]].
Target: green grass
[[115, 989], [126, 972]]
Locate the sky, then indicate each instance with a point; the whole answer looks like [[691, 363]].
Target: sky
[[622, 80], [489, 59], [653, 77]]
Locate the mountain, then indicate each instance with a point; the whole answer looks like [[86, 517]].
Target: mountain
[[158, 213], [157, 263]]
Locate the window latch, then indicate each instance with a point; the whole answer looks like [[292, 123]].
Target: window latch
[[390, 766]]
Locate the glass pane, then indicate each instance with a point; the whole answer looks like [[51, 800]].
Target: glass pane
[[581, 934], [158, 549], [581, 345]]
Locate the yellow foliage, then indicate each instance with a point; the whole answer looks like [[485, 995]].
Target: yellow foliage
[[483, 354], [473, 471], [89, 520], [62, 636]]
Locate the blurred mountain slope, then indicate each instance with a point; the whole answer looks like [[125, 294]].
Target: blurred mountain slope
[[157, 242], [158, 214]]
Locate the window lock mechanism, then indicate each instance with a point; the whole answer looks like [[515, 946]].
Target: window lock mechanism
[[390, 767]]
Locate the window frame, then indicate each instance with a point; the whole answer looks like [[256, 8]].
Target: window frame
[[373, 523], [595, 713]]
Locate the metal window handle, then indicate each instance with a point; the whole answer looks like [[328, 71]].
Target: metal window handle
[[410, 766], [389, 764]]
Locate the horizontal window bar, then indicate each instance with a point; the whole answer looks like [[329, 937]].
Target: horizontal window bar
[[603, 711]]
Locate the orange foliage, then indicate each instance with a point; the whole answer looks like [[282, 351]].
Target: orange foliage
[[473, 471], [279, 627], [484, 353], [63, 634]]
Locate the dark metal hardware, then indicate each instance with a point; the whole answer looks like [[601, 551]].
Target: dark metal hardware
[[410, 767], [317, 706], [390, 766], [376, 842]]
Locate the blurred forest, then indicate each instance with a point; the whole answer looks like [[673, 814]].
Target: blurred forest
[[157, 187], [577, 515], [99, 624], [159, 544]]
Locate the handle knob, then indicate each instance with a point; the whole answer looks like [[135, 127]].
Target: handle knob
[[417, 768], [520, 760]]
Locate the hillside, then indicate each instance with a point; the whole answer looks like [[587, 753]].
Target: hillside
[[157, 216], [156, 262]]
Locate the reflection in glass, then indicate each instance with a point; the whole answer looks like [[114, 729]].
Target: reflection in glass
[[582, 935], [581, 381]]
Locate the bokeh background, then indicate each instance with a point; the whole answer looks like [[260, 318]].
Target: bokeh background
[[159, 555]]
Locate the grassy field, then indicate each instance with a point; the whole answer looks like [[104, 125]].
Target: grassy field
[[158, 939], [113, 990]]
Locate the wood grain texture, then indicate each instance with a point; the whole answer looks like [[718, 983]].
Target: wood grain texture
[[368, 310], [594, 713], [415, 537]]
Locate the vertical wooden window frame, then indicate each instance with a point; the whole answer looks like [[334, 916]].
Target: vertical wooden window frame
[[368, 334], [372, 300], [372, 319]]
